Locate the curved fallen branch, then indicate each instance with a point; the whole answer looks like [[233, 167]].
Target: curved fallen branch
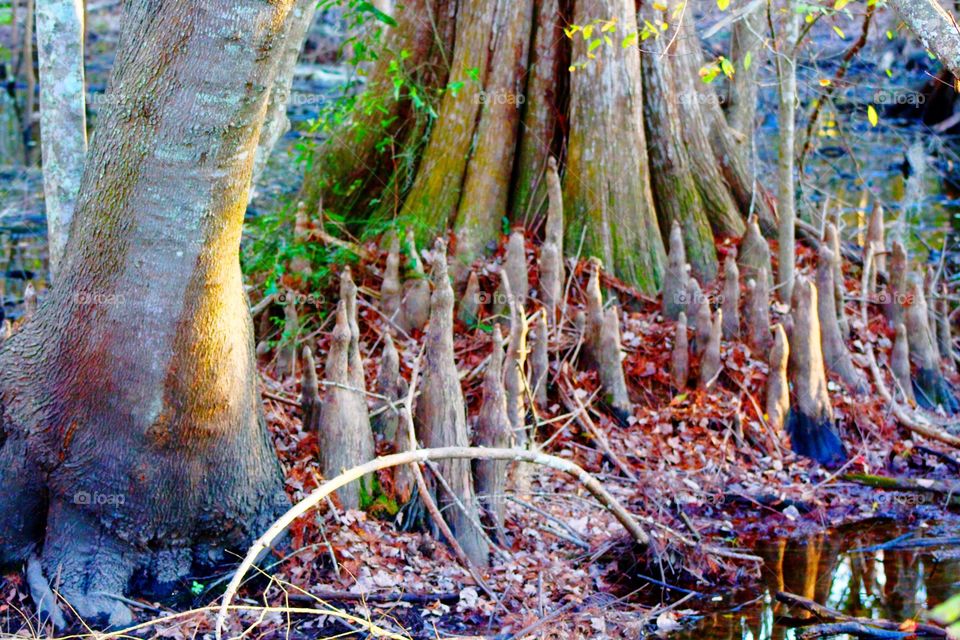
[[422, 455]]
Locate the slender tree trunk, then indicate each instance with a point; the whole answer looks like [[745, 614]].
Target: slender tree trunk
[[276, 124], [787, 65], [63, 120], [129, 402], [30, 79], [607, 195]]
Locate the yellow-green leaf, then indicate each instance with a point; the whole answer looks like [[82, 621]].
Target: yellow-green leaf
[[840, 4], [747, 60], [723, 4], [839, 32], [630, 40], [872, 115]]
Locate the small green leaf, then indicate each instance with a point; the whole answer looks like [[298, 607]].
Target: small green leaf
[[747, 61], [839, 32], [840, 4]]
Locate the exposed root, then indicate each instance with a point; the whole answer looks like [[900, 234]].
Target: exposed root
[[835, 353]]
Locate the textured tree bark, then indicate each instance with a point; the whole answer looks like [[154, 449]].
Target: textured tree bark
[[133, 434], [935, 27], [746, 52], [607, 195], [674, 298], [348, 172], [63, 120], [731, 299], [675, 190], [541, 109], [680, 355], [493, 430], [486, 188]]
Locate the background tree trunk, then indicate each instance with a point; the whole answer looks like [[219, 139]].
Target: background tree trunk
[[935, 27], [63, 119], [132, 394], [786, 192], [606, 191]]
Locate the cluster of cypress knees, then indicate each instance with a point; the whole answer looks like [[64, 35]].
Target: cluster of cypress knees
[[808, 342]]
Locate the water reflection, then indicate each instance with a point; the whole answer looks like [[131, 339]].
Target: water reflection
[[843, 570]]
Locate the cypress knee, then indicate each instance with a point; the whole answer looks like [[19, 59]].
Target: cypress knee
[[710, 365], [731, 299], [810, 423], [611, 364], [778, 390], [494, 429], [540, 359], [675, 280], [754, 252], [680, 356], [758, 313], [441, 416], [929, 386], [835, 352], [416, 290], [391, 293], [900, 365]]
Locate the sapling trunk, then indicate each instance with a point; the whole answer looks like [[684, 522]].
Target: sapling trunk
[[469, 310], [416, 290], [810, 424], [900, 365], [494, 429], [835, 352], [710, 364], [675, 279], [391, 292], [778, 390], [786, 171], [441, 415], [680, 355], [758, 312], [929, 386], [731, 299], [300, 263], [539, 359], [754, 252]]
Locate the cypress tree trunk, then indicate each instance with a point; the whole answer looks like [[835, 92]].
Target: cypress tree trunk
[[474, 165], [133, 437]]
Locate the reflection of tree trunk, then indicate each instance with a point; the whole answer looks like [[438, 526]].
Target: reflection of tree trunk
[[130, 400]]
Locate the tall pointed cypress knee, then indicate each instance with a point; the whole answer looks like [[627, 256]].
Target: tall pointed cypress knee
[[944, 330], [835, 352], [441, 415], [287, 353], [731, 299], [469, 309], [900, 365], [675, 280], [611, 364], [710, 365], [593, 315], [754, 252], [929, 386], [493, 430], [810, 425], [513, 377], [832, 237], [310, 392], [702, 326], [391, 292], [539, 359], [758, 313], [344, 435], [680, 356], [393, 388], [875, 239], [515, 267], [551, 251], [416, 289], [778, 390]]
